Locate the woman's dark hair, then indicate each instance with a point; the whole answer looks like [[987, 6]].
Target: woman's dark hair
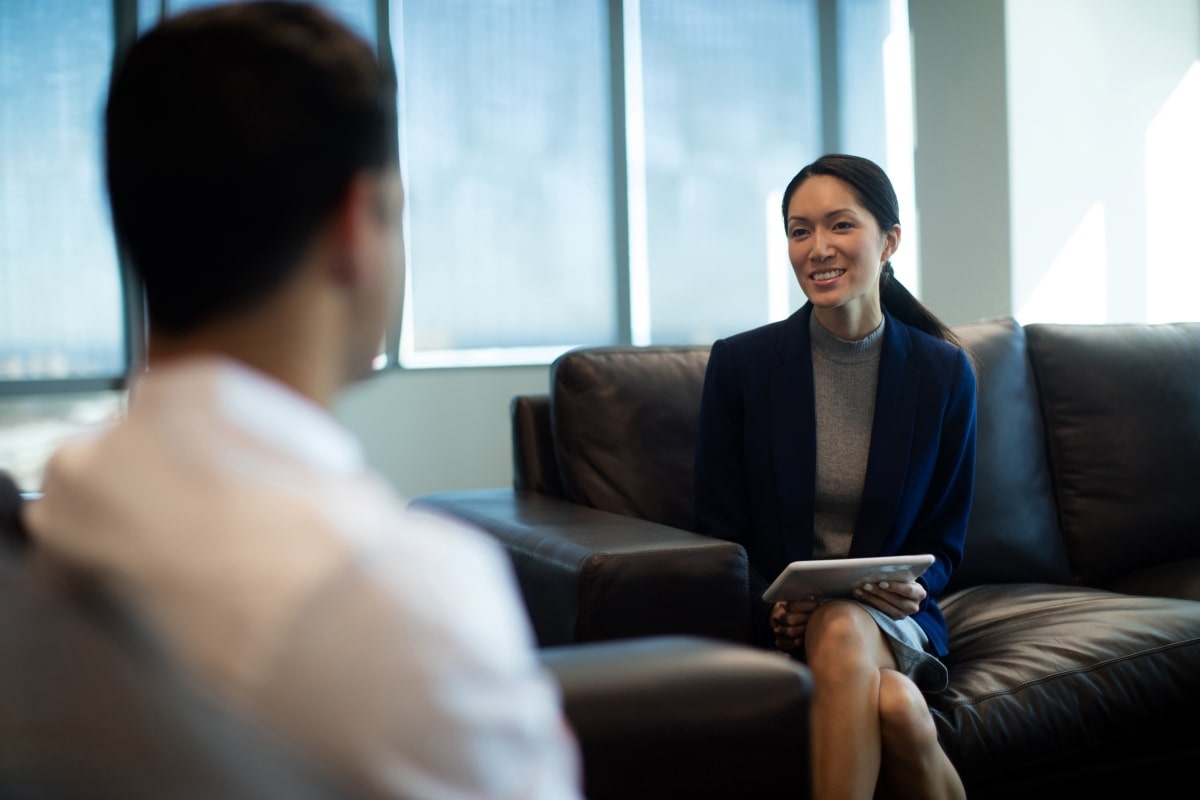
[[874, 191], [231, 132]]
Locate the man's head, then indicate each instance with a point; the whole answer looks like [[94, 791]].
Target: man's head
[[233, 136]]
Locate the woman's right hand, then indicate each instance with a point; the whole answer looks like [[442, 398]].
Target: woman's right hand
[[789, 620]]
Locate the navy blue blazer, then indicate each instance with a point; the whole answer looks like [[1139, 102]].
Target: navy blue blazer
[[755, 464]]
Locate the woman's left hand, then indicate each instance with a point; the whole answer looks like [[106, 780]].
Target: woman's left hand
[[897, 599]]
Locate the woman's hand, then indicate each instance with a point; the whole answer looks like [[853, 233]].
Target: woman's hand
[[897, 599], [788, 622]]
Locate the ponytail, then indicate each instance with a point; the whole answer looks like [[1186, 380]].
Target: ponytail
[[901, 304]]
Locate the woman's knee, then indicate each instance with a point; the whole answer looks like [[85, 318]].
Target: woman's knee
[[903, 713], [841, 639], [843, 625]]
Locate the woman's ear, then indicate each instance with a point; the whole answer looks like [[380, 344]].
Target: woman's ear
[[891, 242]]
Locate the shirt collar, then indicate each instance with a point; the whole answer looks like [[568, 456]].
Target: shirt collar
[[252, 401]]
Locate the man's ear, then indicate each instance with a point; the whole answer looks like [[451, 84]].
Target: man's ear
[[354, 229]]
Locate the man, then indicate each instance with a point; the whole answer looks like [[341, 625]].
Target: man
[[253, 179]]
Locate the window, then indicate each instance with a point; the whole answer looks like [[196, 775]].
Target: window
[[599, 172], [506, 136], [731, 108], [60, 290], [62, 326]]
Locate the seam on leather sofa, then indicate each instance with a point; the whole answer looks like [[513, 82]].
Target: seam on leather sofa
[[1100, 665]]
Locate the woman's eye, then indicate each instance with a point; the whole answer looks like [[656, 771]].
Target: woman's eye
[[796, 233], [843, 225]]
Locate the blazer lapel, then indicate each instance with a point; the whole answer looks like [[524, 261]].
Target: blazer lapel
[[891, 441], [794, 445]]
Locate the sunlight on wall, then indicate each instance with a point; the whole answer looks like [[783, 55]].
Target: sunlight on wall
[[898, 94], [1173, 205], [1074, 288]]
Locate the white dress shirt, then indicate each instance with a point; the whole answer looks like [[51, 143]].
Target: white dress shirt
[[294, 584]]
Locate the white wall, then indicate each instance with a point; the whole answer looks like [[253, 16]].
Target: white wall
[[1104, 136], [1056, 165], [438, 429]]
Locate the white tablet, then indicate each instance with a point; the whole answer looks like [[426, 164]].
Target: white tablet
[[836, 577]]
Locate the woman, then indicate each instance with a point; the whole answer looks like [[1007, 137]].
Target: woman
[[848, 430]]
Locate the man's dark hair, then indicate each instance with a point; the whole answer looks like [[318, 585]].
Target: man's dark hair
[[230, 133]]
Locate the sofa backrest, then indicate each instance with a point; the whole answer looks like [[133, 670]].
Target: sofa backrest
[[1012, 533], [624, 426], [1122, 410], [622, 433]]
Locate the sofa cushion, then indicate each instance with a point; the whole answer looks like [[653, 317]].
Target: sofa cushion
[[1043, 674], [1121, 405], [624, 422], [1012, 534]]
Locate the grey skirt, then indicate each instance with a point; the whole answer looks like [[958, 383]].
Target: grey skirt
[[912, 650]]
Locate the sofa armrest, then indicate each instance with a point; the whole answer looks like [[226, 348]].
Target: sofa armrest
[[685, 717], [592, 575]]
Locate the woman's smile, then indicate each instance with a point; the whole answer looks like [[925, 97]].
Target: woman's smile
[[827, 275]]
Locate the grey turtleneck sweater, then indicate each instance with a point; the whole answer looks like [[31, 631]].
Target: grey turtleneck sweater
[[844, 378]]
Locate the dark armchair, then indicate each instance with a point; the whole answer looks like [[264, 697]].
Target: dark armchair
[[598, 520]]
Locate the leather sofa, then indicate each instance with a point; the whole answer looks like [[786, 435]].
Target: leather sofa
[[1074, 618], [92, 708]]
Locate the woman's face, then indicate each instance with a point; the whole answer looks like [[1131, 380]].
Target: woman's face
[[837, 250]]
